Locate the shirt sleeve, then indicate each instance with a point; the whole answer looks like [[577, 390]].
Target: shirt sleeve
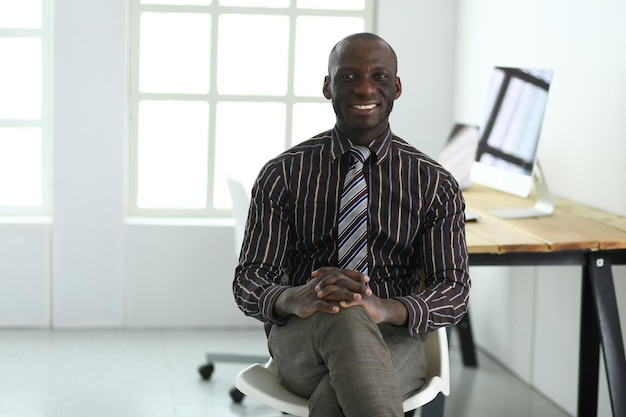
[[445, 295], [257, 281]]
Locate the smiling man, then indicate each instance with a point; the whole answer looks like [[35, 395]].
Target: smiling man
[[362, 108], [354, 248]]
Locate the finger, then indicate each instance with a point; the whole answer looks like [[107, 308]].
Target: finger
[[332, 271], [356, 275], [353, 280], [330, 277], [328, 274], [338, 293], [323, 270], [348, 304], [328, 307], [345, 289]]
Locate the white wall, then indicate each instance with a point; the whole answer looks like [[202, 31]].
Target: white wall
[[423, 34], [582, 153], [179, 274], [25, 274], [89, 120]]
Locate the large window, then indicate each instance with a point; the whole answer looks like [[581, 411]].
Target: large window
[[220, 86], [24, 110]]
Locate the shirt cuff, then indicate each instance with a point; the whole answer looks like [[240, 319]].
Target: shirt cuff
[[417, 314], [266, 302]]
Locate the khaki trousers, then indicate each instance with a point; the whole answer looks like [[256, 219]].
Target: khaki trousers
[[347, 365]]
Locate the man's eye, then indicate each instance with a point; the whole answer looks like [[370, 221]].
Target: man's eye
[[382, 76], [348, 77]]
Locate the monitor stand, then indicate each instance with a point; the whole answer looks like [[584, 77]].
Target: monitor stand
[[544, 206]]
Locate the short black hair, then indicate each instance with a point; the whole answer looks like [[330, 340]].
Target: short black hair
[[354, 36]]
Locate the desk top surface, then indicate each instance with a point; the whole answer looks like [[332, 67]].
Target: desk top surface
[[572, 226]]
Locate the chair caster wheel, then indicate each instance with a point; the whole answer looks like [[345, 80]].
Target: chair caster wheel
[[236, 395], [206, 371]]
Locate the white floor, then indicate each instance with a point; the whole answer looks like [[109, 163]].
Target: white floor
[[154, 374]]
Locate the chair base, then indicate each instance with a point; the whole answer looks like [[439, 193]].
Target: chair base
[[206, 370]]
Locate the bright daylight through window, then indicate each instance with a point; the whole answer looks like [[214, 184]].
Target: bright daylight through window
[[220, 86], [24, 127]]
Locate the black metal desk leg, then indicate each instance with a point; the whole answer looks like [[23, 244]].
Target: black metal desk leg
[[468, 350], [434, 408], [589, 356], [610, 332]]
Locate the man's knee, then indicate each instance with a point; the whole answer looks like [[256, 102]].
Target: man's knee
[[352, 315], [346, 318], [352, 326]]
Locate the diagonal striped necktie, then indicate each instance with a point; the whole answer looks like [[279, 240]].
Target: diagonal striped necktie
[[352, 231]]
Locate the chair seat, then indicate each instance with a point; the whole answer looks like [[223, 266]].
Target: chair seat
[[426, 394], [260, 381]]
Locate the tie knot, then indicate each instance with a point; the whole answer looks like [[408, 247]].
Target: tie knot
[[360, 153]]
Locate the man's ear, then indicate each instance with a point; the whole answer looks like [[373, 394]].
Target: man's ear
[[398, 88], [326, 88]]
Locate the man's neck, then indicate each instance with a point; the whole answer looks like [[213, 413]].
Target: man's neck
[[364, 137]]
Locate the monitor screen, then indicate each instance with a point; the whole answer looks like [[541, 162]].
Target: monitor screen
[[509, 134], [457, 155]]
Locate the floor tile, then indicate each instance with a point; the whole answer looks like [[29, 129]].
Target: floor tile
[[154, 374]]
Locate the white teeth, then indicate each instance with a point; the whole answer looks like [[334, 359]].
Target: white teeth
[[364, 106]]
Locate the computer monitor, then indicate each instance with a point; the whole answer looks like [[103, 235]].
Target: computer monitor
[[458, 153], [509, 135]]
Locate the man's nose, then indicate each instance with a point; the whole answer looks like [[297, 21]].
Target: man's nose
[[365, 88]]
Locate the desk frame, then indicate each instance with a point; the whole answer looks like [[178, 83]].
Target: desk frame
[[599, 321]]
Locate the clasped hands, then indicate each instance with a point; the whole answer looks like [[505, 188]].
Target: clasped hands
[[331, 289], [337, 288]]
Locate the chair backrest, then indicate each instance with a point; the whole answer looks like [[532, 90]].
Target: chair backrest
[[438, 357], [438, 373], [260, 381], [241, 202]]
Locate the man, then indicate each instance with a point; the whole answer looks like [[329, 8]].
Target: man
[[351, 336]]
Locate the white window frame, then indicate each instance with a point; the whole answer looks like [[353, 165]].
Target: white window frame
[[214, 9], [44, 122]]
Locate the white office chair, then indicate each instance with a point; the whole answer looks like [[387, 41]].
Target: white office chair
[[260, 381], [241, 201]]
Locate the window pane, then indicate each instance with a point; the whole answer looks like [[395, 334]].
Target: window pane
[[332, 4], [20, 167], [172, 148], [20, 14], [174, 53], [309, 119], [313, 46], [20, 78], [255, 63], [256, 3], [243, 146], [251, 68], [179, 2]]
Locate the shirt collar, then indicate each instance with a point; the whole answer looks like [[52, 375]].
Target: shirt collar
[[379, 146]]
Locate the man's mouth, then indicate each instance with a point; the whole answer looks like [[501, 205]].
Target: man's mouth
[[364, 106]]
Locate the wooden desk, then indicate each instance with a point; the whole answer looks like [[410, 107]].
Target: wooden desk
[[573, 235]]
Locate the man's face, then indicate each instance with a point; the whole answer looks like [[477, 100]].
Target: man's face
[[362, 85]]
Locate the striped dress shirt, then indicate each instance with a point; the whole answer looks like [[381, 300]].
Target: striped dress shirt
[[416, 229]]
